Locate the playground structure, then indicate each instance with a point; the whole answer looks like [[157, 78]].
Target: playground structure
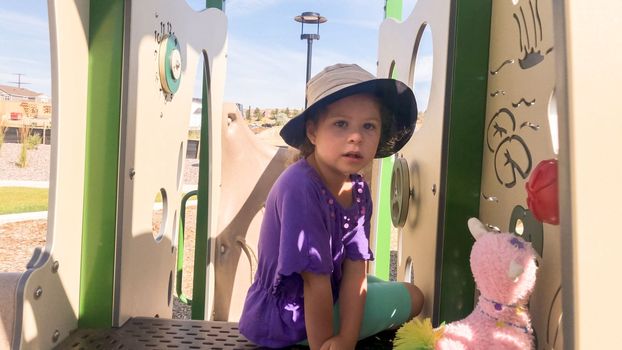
[[509, 79]]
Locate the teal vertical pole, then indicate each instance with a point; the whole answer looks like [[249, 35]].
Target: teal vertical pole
[[393, 9], [219, 4], [101, 166]]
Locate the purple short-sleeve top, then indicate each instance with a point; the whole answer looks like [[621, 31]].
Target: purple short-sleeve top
[[304, 229]]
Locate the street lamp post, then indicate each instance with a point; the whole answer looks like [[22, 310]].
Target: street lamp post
[[309, 18]]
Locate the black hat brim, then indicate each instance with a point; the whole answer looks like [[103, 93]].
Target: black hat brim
[[394, 95]]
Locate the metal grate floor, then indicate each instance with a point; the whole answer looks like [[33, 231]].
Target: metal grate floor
[[157, 333]]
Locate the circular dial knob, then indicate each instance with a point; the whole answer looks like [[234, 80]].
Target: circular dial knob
[[400, 192], [176, 64], [170, 64]]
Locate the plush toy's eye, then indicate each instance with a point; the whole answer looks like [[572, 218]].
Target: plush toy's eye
[[517, 243]]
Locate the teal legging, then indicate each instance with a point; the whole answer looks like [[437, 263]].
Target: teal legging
[[387, 305]]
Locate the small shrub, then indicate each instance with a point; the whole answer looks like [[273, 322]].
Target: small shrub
[[194, 134], [2, 132], [33, 141], [24, 134], [22, 161]]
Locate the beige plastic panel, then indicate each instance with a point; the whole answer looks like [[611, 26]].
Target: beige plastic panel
[[590, 140], [521, 80], [45, 320], [417, 240], [8, 289], [154, 146], [249, 168]]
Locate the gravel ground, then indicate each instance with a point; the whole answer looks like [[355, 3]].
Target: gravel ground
[[37, 169], [18, 241]]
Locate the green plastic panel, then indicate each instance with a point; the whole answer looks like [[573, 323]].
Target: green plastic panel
[[101, 168], [202, 241], [393, 9], [383, 232], [462, 154]]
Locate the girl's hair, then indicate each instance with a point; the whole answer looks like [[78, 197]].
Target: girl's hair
[[386, 120]]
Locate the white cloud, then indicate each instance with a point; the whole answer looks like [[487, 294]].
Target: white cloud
[[267, 69], [360, 23], [423, 69], [247, 7], [23, 25], [13, 60], [265, 76], [274, 76], [423, 80]]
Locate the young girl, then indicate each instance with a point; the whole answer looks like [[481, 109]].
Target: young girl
[[311, 281]]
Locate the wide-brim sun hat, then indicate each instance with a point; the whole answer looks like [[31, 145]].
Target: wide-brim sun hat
[[342, 80]]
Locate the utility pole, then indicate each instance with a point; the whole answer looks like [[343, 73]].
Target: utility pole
[[19, 80]]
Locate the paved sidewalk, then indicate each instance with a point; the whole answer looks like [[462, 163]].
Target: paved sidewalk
[[7, 218], [46, 184], [17, 183], [35, 215]]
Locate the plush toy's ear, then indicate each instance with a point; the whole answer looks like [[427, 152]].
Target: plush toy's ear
[[477, 228]]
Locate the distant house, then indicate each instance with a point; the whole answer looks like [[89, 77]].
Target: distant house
[[11, 93]]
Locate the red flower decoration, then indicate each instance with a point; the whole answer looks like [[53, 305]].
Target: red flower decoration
[[542, 192]]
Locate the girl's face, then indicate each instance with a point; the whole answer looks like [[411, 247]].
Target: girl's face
[[346, 136]]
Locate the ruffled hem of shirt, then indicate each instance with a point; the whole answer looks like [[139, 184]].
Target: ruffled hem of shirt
[[358, 256], [259, 326]]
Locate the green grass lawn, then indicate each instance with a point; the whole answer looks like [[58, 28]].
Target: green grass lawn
[[15, 200], [22, 200]]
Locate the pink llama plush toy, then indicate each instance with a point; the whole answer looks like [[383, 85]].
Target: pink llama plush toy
[[504, 268]]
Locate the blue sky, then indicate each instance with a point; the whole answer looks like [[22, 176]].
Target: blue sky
[[267, 59], [25, 44]]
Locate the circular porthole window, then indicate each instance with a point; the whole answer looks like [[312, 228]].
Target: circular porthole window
[[553, 125], [519, 228], [421, 68], [400, 192], [158, 222], [409, 271], [392, 72]]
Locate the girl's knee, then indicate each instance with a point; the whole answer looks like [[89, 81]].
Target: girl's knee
[[416, 298]]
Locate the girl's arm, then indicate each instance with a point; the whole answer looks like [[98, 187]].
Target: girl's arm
[[352, 294], [318, 299]]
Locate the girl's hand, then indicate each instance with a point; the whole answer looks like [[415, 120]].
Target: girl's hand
[[338, 343]]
